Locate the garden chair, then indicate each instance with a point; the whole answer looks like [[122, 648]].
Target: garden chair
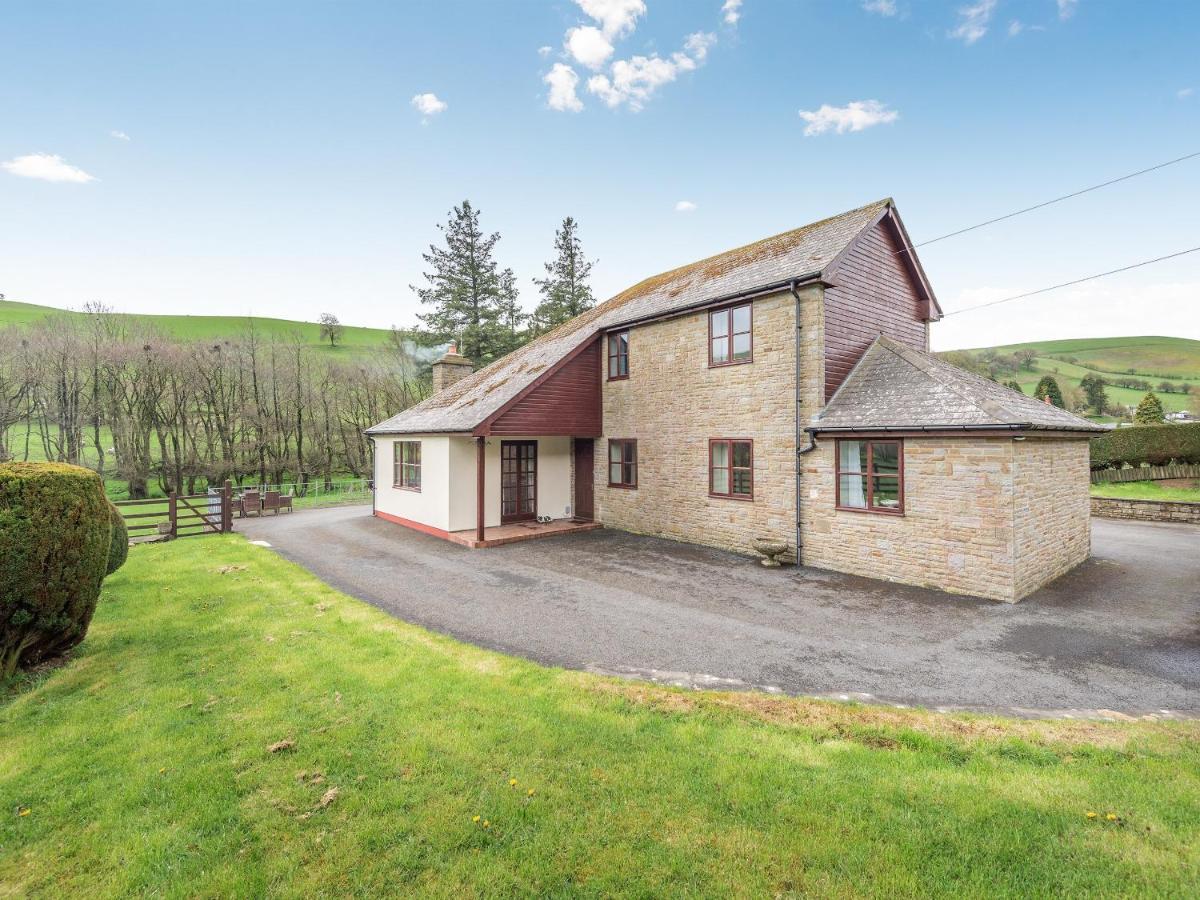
[[275, 501], [251, 502]]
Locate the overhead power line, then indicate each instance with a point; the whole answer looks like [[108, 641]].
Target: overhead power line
[[1021, 212], [1055, 287]]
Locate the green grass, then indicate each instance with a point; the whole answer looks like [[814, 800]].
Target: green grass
[[1155, 357], [1147, 490], [354, 341], [143, 763]]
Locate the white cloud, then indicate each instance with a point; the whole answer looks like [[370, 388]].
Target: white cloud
[[562, 81], [685, 206], [1184, 93], [1015, 27], [545, 51], [588, 45], [1066, 8], [973, 21], [853, 116], [732, 10], [428, 105], [634, 81], [616, 17], [119, 135], [46, 167], [880, 7]]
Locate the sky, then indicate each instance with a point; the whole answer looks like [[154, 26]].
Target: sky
[[293, 158]]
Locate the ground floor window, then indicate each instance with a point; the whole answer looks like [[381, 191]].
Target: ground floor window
[[622, 463], [406, 465], [731, 468], [870, 476]]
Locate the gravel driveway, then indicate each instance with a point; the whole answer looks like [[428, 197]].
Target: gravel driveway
[[1122, 632]]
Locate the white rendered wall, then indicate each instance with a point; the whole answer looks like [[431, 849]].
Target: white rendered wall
[[554, 479], [428, 506]]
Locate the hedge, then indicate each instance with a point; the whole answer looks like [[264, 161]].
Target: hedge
[[118, 550], [1154, 445], [55, 535]]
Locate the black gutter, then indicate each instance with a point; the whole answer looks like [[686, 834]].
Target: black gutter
[[773, 288]]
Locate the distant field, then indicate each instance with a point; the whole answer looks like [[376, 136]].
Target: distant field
[[1150, 357], [1153, 359], [353, 341]]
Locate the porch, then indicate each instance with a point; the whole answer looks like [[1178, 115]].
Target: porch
[[515, 532]]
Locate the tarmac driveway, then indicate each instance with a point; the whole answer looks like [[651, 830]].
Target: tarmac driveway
[[1121, 632]]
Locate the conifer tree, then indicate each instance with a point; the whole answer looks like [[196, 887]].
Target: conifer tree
[[565, 291], [1048, 387], [1149, 411], [1016, 386], [465, 289]]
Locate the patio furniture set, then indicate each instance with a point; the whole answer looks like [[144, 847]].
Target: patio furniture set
[[259, 502]]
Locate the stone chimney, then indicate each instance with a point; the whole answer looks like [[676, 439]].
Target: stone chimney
[[450, 368]]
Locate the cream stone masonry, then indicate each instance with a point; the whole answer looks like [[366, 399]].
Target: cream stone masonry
[[1051, 509], [673, 403]]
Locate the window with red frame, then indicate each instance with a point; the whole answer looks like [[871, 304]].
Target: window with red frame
[[406, 465], [731, 468], [622, 463], [618, 355], [870, 476], [730, 335]]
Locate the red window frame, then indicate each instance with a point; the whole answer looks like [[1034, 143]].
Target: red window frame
[[617, 351], [727, 312], [628, 463], [406, 475], [869, 475], [731, 468]]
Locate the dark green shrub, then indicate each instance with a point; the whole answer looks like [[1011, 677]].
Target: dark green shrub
[[118, 549], [54, 542], [1154, 445]]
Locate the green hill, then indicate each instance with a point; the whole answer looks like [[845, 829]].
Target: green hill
[[202, 328], [1154, 359]]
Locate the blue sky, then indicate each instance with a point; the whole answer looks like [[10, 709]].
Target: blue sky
[[269, 158]]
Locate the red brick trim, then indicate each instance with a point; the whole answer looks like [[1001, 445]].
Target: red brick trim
[[415, 526]]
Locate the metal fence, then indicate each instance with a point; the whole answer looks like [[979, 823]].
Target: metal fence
[[317, 493]]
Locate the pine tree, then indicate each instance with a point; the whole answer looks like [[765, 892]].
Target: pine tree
[[1048, 387], [1016, 386], [565, 291], [1149, 411], [512, 318], [465, 289], [1093, 386]]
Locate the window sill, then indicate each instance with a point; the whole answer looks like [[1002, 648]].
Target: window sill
[[745, 498], [726, 365], [618, 377], [405, 487], [895, 513], [623, 487]]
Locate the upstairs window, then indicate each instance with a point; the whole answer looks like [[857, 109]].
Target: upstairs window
[[406, 465], [731, 468], [870, 476], [730, 335], [618, 355], [622, 463]]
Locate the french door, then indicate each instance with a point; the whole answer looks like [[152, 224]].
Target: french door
[[518, 481]]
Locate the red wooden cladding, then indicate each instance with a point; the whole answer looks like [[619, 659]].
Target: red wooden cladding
[[875, 294], [565, 402]]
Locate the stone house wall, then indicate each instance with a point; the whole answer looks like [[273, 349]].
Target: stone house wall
[[1051, 509], [672, 403], [956, 533]]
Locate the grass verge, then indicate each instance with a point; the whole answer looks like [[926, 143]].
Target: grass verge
[[234, 727], [1148, 490]]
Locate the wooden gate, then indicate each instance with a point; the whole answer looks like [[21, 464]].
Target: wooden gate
[[179, 515]]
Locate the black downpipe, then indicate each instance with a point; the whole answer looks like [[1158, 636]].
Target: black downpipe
[[799, 423]]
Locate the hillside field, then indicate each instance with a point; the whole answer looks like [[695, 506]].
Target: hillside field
[[353, 341], [1153, 358]]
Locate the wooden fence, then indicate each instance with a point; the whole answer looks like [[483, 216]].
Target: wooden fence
[[1145, 473], [179, 515]]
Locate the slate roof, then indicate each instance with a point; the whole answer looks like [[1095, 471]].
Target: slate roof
[[896, 387], [802, 253]]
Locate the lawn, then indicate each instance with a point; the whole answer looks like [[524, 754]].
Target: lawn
[[1148, 490], [154, 762]]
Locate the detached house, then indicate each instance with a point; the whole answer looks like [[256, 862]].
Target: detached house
[[783, 390]]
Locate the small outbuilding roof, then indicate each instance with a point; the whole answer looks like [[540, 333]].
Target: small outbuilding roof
[[896, 388], [802, 254]]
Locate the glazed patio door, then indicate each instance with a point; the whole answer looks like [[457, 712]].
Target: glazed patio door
[[518, 481]]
